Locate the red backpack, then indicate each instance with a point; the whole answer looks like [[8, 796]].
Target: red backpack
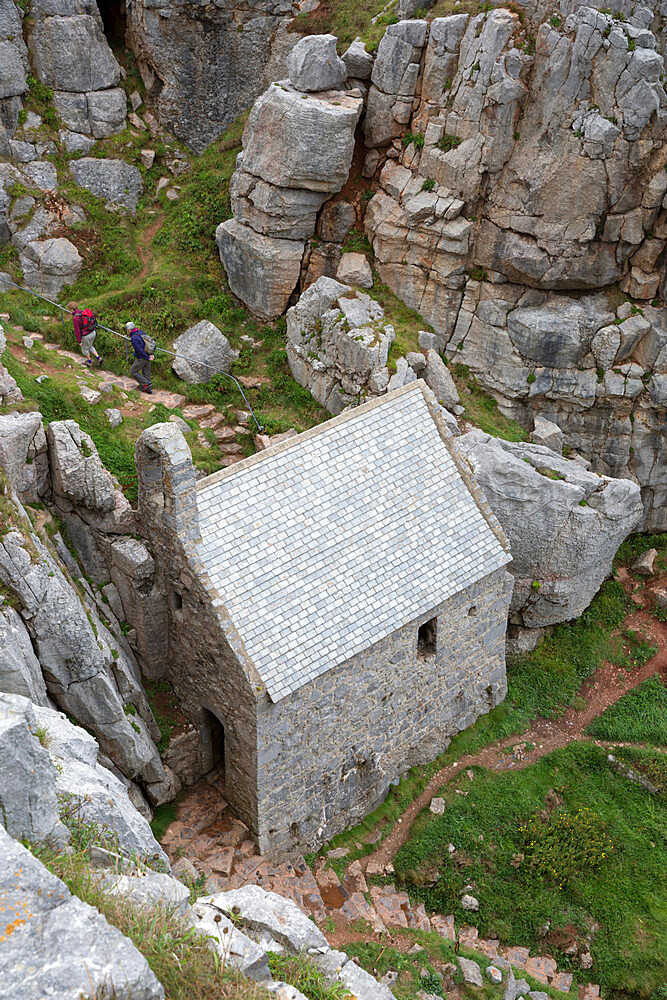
[[88, 322]]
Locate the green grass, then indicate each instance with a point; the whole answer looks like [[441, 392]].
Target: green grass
[[298, 971], [635, 545], [640, 716], [544, 683], [180, 958], [622, 887], [163, 816], [482, 410]]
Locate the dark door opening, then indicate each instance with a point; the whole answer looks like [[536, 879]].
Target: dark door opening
[[212, 740], [114, 20]]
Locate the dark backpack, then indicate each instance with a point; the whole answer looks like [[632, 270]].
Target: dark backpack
[[88, 322]]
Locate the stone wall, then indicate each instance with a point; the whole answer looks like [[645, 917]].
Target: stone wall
[[328, 753], [205, 660]]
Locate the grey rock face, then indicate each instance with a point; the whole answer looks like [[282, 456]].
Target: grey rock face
[[264, 911], [202, 68], [78, 665], [79, 952], [313, 64], [337, 344], [77, 471], [394, 81], [262, 271], [28, 806], [91, 792], [12, 73], [274, 211], [202, 342], [22, 455], [116, 181], [49, 265], [71, 54], [20, 672], [298, 141], [564, 524]]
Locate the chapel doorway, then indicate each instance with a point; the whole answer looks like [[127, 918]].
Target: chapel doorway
[[212, 741]]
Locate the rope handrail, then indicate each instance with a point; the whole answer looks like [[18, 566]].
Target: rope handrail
[[163, 350]]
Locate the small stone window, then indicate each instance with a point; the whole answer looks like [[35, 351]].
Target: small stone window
[[472, 610], [175, 600], [426, 638]]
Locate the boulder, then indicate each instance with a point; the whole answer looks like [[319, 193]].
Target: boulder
[[202, 342], [263, 911], [92, 794], [313, 64], [9, 390], [149, 889], [645, 563], [471, 971], [469, 903], [114, 416], [564, 524], [289, 213], [116, 181], [362, 985], [20, 672], [17, 434], [337, 344], [297, 140], [80, 954], [12, 72], [72, 54], [358, 61], [231, 944], [28, 805], [354, 269], [76, 468], [262, 271], [49, 265], [548, 434], [336, 220], [440, 382]]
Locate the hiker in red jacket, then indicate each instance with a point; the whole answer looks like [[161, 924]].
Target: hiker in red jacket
[[85, 331]]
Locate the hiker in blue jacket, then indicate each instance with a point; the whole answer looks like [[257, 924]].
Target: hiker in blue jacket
[[141, 366]]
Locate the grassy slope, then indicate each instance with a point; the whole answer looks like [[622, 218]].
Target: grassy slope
[[639, 716], [625, 894]]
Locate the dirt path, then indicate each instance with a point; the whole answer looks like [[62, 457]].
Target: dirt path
[[144, 246], [603, 688]]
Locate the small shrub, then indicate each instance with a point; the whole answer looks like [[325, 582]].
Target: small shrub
[[565, 844], [417, 138], [531, 378], [299, 972], [428, 184], [42, 734], [449, 142], [479, 274]]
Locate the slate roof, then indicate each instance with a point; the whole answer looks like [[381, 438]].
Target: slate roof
[[323, 545]]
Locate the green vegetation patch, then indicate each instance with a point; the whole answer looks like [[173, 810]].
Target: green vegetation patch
[[567, 841], [298, 971], [639, 716]]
